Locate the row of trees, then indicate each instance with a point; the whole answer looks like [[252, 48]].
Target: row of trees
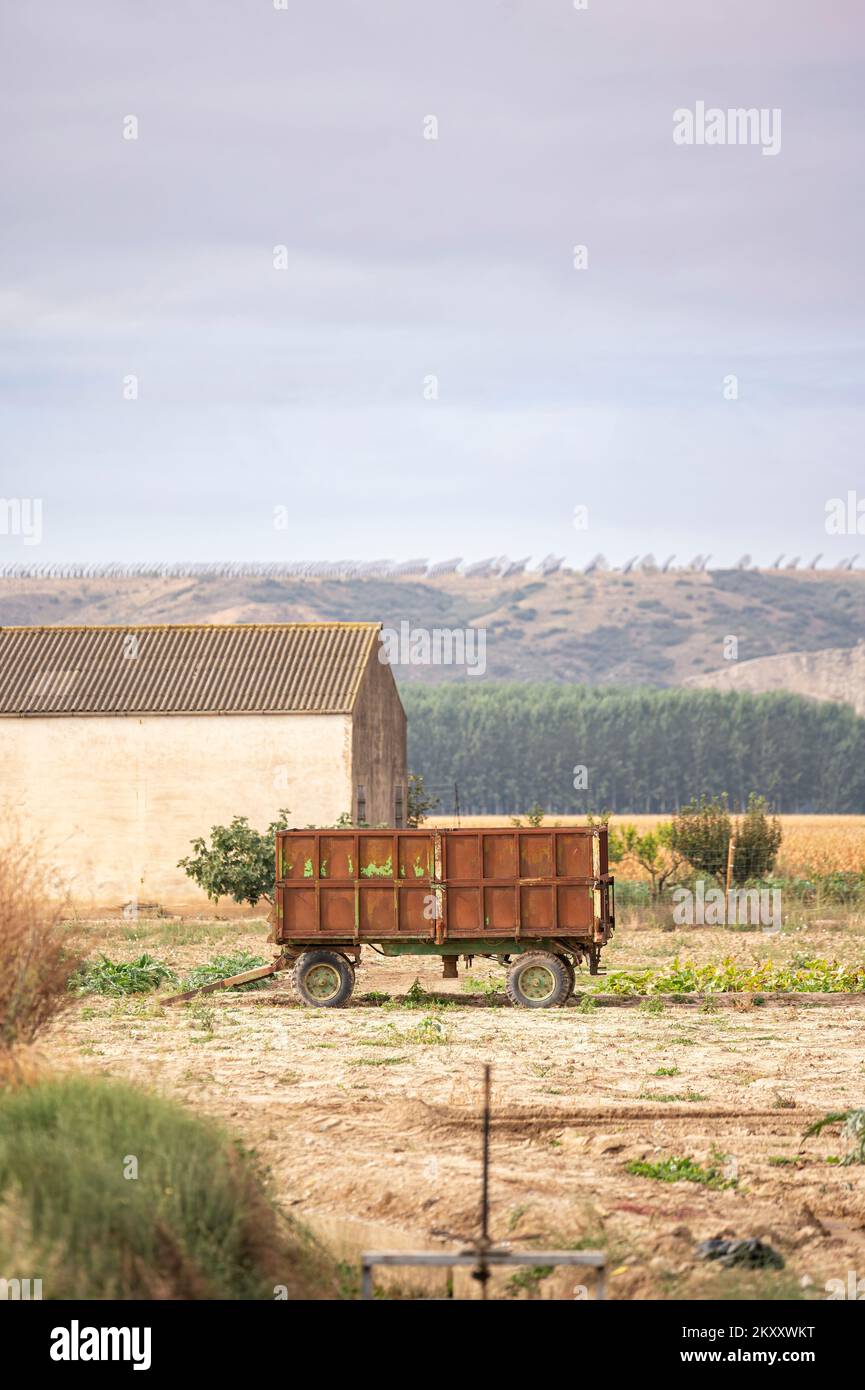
[[577, 749]]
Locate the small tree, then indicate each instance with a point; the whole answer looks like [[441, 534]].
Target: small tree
[[238, 863], [654, 852], [419, 802], [758, 839], [701, 834]]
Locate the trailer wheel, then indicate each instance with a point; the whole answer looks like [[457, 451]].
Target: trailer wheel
[[539, 980], [571, 971], [324, 979]]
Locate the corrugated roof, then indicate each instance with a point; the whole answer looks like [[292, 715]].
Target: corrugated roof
[[189, 668]]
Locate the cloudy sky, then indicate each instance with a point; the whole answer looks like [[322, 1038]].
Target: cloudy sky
[[302, 379]]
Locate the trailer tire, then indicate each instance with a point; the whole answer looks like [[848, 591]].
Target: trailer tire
[[539, 980], [323, 979], [571, 971]]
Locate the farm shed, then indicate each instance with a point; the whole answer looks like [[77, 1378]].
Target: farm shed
[[119, 745]]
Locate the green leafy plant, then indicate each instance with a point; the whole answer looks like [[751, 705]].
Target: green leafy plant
[[220, 967], [681, 1170], [238, 862], [804, 975], [430, 1029], [115, 977], [853, 1131]]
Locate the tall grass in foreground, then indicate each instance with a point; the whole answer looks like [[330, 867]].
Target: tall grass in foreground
[[112, 1193], [35, 961]]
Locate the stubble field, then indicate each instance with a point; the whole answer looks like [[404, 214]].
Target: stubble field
[[368, 1116]]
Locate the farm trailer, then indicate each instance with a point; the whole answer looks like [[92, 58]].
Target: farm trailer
[[539, 900]]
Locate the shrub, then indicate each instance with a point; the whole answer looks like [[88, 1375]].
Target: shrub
[[197, 1222], [35, 961], [238, 863], [222, 966], [117, 977], [701, 834], [758, 840]]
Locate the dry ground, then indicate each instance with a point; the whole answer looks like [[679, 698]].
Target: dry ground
[[373, 1139], [372, 1134]]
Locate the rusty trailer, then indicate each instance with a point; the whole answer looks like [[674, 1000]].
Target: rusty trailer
[[540, 900]]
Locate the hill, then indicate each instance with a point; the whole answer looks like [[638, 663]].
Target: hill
[[636, 629], [836, 674]]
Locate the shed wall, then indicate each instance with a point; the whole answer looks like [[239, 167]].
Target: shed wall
[[115, 801]]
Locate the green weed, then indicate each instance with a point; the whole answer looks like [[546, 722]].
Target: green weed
[[681, 1170]]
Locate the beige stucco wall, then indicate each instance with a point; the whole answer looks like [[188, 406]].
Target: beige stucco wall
[[115, 801]]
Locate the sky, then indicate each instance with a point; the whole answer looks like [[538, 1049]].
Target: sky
[[325, 304]]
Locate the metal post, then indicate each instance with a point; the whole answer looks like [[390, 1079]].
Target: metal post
[[485, 1197], [482, 1273]]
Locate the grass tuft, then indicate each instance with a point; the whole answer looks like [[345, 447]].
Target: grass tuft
[[113, 1193]]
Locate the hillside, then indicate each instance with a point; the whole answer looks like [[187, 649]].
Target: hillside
[[641, 628], [836, 674]]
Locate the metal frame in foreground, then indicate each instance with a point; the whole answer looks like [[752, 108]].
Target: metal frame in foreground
[[593, 1259]]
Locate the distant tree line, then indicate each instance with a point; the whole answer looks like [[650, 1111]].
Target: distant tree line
[[509, 746]]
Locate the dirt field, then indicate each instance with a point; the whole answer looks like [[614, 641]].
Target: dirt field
[[368, 1116]]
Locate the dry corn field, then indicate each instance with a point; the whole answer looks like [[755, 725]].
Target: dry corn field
[[810, 844]]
